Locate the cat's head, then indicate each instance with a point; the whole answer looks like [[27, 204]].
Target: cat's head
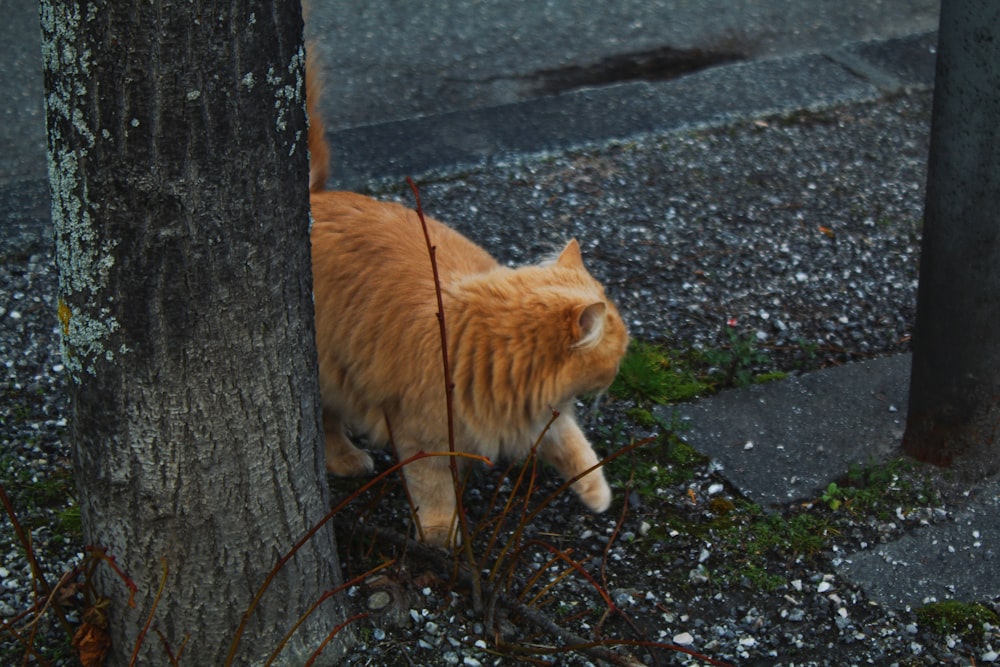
[[545, 332], [592, 331]]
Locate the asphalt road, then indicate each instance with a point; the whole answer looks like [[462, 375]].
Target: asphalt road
[[390, 60]]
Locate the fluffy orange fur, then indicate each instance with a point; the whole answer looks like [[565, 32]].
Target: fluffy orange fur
[[522, 342]]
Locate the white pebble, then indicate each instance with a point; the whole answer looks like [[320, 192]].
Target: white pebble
[[683, 639], [748, 446]]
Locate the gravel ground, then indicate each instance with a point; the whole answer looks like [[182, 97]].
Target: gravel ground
[[802, 232]]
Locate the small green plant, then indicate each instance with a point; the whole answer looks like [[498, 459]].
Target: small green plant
[[736, 362], [833, 496], [881, 489], [956, 618]]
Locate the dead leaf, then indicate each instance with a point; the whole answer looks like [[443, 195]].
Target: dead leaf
[[92, 640], [91, 644]]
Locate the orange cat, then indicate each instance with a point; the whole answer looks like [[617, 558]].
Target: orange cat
[[522, 342]]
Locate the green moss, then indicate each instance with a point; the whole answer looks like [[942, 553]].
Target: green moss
[[642, 417], [655, 373], [721, 506], [760, 579], [665, 462], [69, 520], [879, 490], [956, 618], [684, 455], [32, 494], [650, 373], [767, 544]]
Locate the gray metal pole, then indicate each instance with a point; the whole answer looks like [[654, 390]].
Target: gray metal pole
[[954, 405]]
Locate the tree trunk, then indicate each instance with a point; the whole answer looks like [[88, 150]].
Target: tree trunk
[[954, 406], [179, 178]]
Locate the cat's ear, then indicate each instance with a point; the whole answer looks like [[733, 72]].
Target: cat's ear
[[570, 256], [589, 325]]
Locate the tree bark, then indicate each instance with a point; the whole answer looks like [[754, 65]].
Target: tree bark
[[179, 175], [954, 405]]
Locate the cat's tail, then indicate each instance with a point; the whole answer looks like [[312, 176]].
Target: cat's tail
[[319, 150]]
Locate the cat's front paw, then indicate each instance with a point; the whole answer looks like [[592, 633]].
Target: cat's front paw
[[594, 492], [440, 530], [351, 462], [441, 536]]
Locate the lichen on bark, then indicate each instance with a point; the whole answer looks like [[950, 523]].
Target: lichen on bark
[[84, 257]]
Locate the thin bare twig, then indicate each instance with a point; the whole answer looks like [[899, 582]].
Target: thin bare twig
[[152, 611], [238, 635], [323, 598], [572, 642], [530, 463], [449, 392], [36, 570]]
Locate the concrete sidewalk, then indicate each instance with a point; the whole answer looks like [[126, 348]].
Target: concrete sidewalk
[[785, 441]]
